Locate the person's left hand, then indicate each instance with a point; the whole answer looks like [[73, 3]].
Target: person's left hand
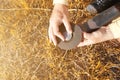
[[60, 15], [101, 35]]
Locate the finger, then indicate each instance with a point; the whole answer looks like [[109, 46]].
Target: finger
[[52, 37], [87, 40], [87, 35], [85, 43], [67, 25], [59, 35], [57, 32], [50, 33]]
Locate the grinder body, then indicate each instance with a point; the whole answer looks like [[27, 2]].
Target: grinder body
[[91, 25]]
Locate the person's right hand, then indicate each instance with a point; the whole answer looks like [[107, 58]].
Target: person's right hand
[[101, 35], [59, 15]]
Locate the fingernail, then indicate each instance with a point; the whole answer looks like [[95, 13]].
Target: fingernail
[[70, 32], [55, 44]]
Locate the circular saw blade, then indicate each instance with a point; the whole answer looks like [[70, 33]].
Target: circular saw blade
[[74, 41]]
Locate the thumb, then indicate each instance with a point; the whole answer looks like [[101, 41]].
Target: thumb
[[67, 25], [87, 35]]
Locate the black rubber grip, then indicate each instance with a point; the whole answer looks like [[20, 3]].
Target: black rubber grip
[[101, 19]]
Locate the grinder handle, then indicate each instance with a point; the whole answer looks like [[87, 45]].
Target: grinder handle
[[101, 19]]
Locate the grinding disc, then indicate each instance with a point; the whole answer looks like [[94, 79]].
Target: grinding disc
[[74, 41]]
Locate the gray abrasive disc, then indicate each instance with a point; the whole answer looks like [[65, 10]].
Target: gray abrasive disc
[[76, 38]]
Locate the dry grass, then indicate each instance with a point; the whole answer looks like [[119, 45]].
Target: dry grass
[[26, 54]]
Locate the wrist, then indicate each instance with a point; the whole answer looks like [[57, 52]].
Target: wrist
[[60, 7], [64, 2], [109, 33], [115, 28]]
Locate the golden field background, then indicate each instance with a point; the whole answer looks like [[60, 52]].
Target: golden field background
[[26, 54]]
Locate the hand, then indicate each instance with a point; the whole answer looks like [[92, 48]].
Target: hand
[[59, 15], [103, 34]]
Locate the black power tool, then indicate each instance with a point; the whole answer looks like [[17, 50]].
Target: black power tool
[[72, 40], [98, 6]]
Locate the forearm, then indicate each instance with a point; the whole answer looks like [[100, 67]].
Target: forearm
[[65, 2], [115, 28]]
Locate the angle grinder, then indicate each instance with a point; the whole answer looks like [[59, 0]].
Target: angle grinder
[[103, 18]]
